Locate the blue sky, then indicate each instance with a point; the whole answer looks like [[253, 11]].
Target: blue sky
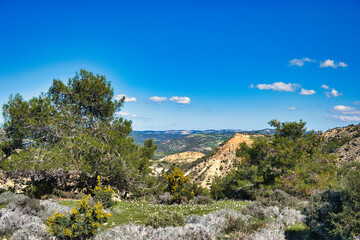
[[193, 64]]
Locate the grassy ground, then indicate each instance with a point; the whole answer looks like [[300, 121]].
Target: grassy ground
[[137, 212], [298, 232]]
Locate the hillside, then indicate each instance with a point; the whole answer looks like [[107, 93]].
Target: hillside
[[176, 141], [344, 142], [219, 163]]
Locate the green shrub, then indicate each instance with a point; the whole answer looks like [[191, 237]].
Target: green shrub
[[335, 214], [347, 222], [7, 197], [198, 190], [318, 213], [37, 189], [29, 206], [237, 224], [82, 223], [177, 185], [281, 199], [157, 220], [202, 200], [255, 209], [165, 198], [103, 194]]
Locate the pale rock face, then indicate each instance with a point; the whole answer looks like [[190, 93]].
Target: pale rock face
[[220, 163], [183, 157]]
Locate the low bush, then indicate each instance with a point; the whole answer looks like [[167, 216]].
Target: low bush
[[103, 194], [165, 198], [7, 197], [82, 223], [280, 199], [202, 200], [255, 209], [173, 219], [14, 222], [29, 206], [50, 207], [317, 212], [140, 232], [243, 226], [335, 214]]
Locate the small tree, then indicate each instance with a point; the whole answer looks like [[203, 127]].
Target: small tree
[[177, 184]]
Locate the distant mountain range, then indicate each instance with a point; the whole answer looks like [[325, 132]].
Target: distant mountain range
[[176, 141]]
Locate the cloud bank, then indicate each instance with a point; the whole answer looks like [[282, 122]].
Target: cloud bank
[[346, 114]]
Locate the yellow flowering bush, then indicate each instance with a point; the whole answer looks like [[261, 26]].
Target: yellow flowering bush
[[178, 186], [103, 194], [81, 223]]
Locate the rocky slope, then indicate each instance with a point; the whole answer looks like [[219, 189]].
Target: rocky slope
[[220, 163], [344, 142], [183, 157]]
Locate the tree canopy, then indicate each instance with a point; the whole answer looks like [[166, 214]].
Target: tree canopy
[[74, 126]]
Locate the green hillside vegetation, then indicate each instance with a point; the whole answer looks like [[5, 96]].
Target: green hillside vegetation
[[199, 142], [293, 160]]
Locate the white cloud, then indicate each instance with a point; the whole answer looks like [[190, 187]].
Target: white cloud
[[346, 110], [333, 93], [356, 103], [342, 108], [292, 108], [325, 86], [299, 62], [130, 115], [127, 99], [328, 63], [307, 92], [158, 99], [342, 64], [343, 118], [332, 63], [180, 100], [126, 114], [279, 86]]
